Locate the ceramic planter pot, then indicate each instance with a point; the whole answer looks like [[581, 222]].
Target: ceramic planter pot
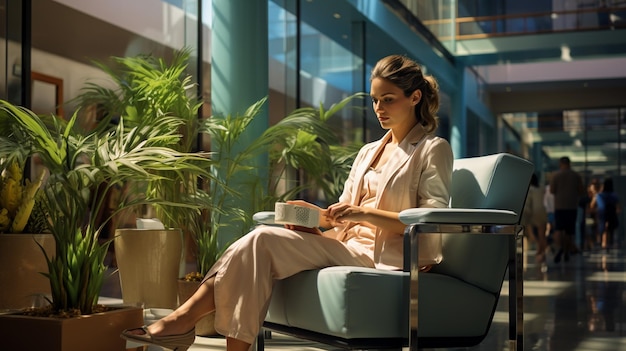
[[95, 332], [149, 263], [205, 326], [21, 265]]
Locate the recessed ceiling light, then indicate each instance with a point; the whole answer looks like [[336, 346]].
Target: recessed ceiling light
[[566, 53], [336, 15]]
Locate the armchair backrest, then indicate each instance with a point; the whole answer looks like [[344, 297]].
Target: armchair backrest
[[498, 181]]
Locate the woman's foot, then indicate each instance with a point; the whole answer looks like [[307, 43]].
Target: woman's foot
[[178, 342], [172, 324]]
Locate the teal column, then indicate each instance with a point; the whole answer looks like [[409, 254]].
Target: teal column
[[458, 118], [239, 78]]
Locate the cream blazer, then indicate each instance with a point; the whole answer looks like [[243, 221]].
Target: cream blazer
[[417, 174]]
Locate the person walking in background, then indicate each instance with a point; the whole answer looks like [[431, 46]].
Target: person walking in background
[[535, 217], [567, 187], [591, 219], [607, 206], [548, 203]]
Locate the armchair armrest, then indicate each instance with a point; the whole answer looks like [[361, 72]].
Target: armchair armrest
[[264, 217], [457, 216], [462, 221]]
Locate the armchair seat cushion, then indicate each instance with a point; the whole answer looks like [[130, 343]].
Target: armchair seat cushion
[[356, 302]]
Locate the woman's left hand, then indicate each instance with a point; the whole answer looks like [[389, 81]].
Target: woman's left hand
[[342, 212]]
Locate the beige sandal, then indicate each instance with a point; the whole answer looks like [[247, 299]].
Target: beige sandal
[[179, 342]]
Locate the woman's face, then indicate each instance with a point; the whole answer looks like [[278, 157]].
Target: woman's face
[[392, 108]]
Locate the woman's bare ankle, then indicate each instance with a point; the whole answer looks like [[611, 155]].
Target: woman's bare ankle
[[170, 325]]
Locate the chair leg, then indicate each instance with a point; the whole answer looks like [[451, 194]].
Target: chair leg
[[260, 340], [516, 293]]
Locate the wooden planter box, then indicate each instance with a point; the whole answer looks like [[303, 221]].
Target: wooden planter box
[[96, 332], [21, 264]]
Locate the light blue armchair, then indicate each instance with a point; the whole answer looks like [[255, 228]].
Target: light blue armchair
[[361, 308]]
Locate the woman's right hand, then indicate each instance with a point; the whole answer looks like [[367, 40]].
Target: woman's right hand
[[324, 220]]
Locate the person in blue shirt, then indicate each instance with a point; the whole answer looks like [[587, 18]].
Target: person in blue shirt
[[607, 206]]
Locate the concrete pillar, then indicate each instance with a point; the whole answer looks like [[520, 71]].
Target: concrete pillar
[[239, 78], [458, 117]]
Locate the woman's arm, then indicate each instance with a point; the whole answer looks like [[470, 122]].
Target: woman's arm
[[340, 213]]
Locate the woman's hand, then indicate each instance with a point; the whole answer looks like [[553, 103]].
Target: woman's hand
[[342, 212], [324, 222]]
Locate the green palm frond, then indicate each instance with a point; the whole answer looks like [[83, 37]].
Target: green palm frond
[[80, 164]]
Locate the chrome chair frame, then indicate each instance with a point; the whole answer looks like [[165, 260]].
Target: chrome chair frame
[[515, 272]]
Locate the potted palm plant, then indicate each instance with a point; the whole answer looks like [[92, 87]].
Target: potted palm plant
[[146, 87], [82, 169], [147, 91], [302, 141]]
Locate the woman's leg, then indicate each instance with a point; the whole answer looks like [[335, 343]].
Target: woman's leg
[[233, 344], [185, 317], [246, 273], [239, 285]]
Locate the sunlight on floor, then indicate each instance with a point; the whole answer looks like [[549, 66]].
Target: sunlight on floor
[[539, 288]]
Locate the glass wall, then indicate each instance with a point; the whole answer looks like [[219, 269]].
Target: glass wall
[[318, 54], [65, 54], [12, 56], [592, 139], [309, 66]]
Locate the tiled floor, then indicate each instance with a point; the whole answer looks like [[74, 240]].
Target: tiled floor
[[575, 305]]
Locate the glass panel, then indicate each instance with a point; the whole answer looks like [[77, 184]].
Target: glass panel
[[116, 28], [11, 51], [4, 67], [327, 74], [283, 58], [592, 139]]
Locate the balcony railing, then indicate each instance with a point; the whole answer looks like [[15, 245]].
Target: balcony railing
[[602, 18]]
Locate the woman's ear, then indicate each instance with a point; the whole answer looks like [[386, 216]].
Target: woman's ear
[[416, 97]]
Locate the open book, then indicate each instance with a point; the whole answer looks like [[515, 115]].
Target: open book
[[285, 213]]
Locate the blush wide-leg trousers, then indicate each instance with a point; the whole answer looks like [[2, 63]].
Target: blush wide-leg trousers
[[245, 273]]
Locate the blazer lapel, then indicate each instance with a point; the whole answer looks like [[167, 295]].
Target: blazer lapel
[[364, 166], [399, 157]]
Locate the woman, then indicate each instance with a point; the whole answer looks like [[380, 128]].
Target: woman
[[408, 167], [535, 218]]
